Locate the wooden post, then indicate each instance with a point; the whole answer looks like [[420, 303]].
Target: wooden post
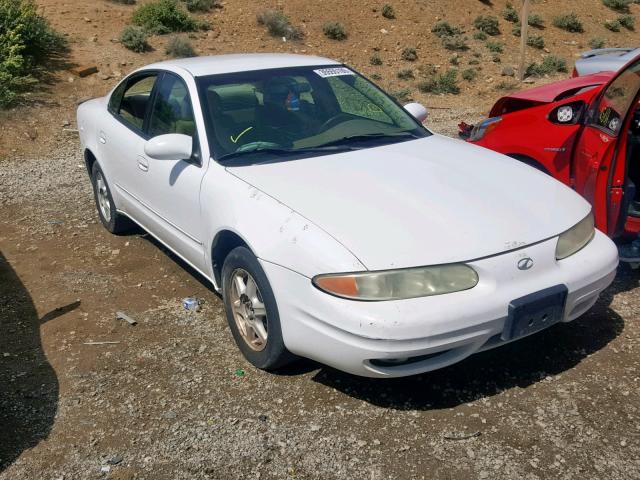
[[524, 35]]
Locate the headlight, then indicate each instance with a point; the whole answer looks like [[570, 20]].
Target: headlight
[[399, 284], [575, 238], [484, 127]]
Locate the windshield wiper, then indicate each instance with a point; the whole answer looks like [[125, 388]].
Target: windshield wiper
[[281, 152], [369, 136]]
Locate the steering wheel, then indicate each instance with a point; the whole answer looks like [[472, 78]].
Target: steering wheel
[[252, 146], [333, 121]]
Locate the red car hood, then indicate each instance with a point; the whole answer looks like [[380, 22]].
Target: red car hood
[[549, 92]]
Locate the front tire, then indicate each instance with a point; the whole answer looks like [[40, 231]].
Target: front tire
[[113, 221], [252, 312]]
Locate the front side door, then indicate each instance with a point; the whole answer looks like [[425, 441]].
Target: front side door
[[169, 190], [599, 158]]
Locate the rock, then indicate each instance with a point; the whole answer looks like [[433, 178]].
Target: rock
[[104, 76], [508, 72], [115, 460], [84, 70]]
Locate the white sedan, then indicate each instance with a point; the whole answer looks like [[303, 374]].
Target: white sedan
[[336, 226]]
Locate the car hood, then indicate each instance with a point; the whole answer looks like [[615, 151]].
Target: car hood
[[551, 91], [422, 202]]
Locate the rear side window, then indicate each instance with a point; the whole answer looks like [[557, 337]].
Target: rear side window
[[116, 98], [172, 110], [135, 100]]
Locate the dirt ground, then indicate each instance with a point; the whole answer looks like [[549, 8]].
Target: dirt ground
[[172, 397]]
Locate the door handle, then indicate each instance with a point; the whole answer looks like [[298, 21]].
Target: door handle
[[143, 164], [102, 137]]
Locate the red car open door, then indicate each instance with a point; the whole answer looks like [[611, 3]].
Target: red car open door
[[599, 165]]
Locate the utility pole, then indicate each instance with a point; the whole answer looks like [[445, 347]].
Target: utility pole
[[524, 35]]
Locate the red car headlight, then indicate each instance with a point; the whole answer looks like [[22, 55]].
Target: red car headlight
[[484, 127]]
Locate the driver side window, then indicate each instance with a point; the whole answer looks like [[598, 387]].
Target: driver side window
[[172, 110]]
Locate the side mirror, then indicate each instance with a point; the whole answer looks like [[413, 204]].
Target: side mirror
[[173, 146], [418, 111]]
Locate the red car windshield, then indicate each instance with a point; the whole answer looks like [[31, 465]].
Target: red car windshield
[[614, 104]]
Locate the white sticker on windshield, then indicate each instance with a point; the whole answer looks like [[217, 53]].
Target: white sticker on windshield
[[333, 72]]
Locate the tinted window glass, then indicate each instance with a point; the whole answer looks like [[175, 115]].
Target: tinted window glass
[[172, 111], [136, 99], [289, 110], [116, 97], [614, 104]]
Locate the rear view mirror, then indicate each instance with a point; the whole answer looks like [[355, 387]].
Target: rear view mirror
[[173, 146], [418, 111]]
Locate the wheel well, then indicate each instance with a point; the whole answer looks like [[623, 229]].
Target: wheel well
[[89, 160], [529, 161], [224, 242]]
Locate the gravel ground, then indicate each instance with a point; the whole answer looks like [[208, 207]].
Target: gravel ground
[[174, 399]]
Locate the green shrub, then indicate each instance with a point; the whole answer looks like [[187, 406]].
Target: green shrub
[[495, 47], [401, 94], [180, 48], [550, 64], [444, 29], [569, 22], [535, 20], [510, 14], [617, 5], [409, 54], [443, 83], [201, 5], [506, 85], [535, 41], [375, 59], [27, 45], [469, 74], [135, 39], [388, 12], [454, 60], [487, 24], [627, 21], [613, 25], [596, 43], [278, 25], [334, 31], [164, 16], [516, 29], [480, 36], [405, 74], [456, 43]]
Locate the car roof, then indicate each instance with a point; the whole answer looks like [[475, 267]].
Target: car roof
[[605, 59], [243, 62]]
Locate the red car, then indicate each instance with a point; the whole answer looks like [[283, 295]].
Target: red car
[[585, 132]]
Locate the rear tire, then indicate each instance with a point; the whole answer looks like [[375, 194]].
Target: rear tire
[[113, 221], [252, 312]]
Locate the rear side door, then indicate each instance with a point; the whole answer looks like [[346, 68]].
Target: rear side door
[[599, 157], [122, 136]]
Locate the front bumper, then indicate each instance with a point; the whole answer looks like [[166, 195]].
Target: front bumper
[[439, 330]]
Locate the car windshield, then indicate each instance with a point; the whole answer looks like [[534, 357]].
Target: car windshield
[[616, 100], [278, 114]]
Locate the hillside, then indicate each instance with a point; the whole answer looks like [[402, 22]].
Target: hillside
[[93, 28]]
